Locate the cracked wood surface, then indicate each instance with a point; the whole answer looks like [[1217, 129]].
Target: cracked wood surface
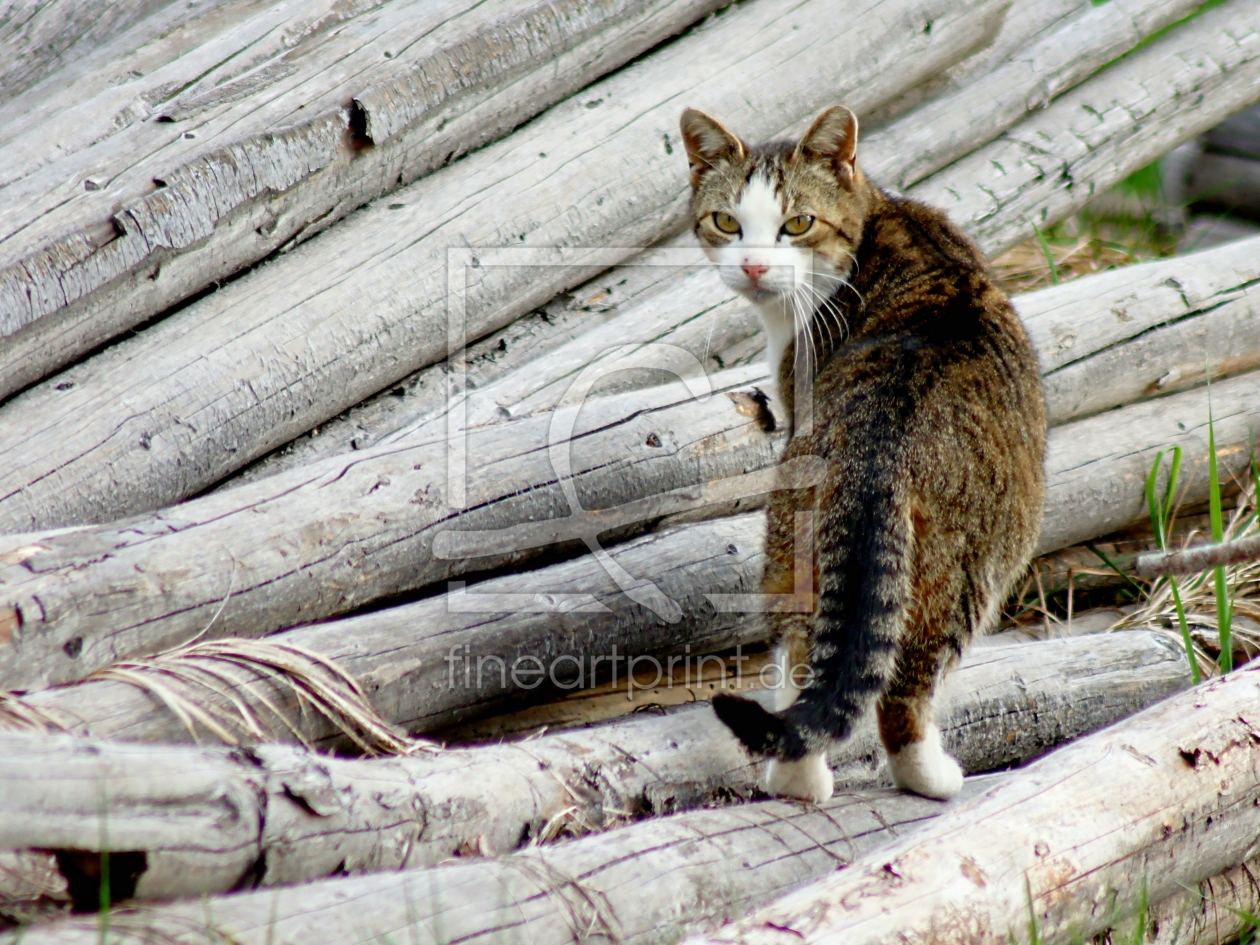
[[1165, 799], [213, 412], [324, 539], [262, 127], [1102, 341], [244, 369], [951, 126], [403, 655], [314, 815], [37, 38], [636, 884], [1098, 133]]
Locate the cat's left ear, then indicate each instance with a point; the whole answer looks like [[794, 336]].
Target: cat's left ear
[[708, 142], [832, 137]]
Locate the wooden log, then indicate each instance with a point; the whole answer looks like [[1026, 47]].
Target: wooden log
[[1225, 180], [951, 126], [1167, 798], [1209, 914], [640, 884], [373, 303], [37, 38], [1239, 134], [440, 661], [313, 815], [322, 540], [1096, 134], [710, 320], [275, 125], [1103, 341]]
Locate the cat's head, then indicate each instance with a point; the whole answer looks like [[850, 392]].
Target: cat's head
[[782, 217]]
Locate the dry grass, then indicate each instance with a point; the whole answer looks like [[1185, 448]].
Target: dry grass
[[245, 676], [244, 691], [1080, 246], [1198, 596]]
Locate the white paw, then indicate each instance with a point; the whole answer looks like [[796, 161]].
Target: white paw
[[923, 767], [809, 779]]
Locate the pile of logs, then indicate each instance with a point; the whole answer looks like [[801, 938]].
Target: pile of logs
[[347, 346]]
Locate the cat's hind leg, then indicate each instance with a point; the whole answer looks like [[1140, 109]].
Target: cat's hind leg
[[916, 757]]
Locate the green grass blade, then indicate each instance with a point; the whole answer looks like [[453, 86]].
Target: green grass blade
[[1045, 250], [1170, 494], [1195, 676], [1223, 609], [1154, 506]]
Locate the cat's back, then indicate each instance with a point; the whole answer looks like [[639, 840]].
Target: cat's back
[[938, 386]]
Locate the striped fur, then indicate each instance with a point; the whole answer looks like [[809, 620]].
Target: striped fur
[[926, 404]]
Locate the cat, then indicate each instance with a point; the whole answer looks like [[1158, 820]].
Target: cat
[[927, 406]]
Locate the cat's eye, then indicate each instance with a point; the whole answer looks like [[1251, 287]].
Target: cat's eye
[[725, 222], [798, 226]]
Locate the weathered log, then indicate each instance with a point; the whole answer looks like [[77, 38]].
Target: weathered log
[[303, 816], [1096, 134], [642, 884], [1225, 180], [436, 662], [1073, 842], [37, 38], [706, 319], [373, 305], [951, 126], [1107, 340], [321, 540], [276, 125], [1209, 914]]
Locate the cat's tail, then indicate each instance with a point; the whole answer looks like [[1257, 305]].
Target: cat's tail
[[865, 554]]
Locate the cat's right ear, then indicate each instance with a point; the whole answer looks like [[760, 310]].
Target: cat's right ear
[[708, 142], [832, 138]]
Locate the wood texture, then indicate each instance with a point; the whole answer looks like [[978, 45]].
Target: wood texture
[[953, 125], [277, 123], [1096, 134], [639, 884], [247, 368], [36, 38], [1103, 341], [322, 540], [315, 815], [1169, 797]]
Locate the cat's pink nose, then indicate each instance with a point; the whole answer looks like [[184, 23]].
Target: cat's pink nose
[[754, 271]]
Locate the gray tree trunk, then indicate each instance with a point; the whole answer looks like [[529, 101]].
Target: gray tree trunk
[[275, 122], [244, 369], [647, 883], [322, 540], [204, 818], [1160, 801]]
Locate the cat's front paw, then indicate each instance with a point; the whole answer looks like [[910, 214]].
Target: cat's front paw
[[808, 779], [924, 768]]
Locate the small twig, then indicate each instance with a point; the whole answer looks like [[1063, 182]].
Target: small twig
[[1193, 560]]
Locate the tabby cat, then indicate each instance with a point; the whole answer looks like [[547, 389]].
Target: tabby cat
[[927, 406]]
